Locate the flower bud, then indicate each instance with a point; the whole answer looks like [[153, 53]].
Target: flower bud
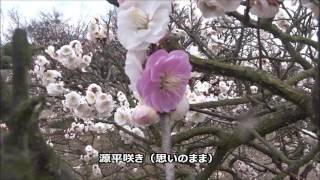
[[144, 115]]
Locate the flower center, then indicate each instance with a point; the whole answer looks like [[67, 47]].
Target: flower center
[[169, 82], [140, 18], [94, 90]]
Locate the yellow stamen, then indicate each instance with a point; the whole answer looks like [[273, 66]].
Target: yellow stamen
[[140, 18], [169, 82]]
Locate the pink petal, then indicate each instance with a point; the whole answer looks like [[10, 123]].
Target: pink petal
[[155, 57]]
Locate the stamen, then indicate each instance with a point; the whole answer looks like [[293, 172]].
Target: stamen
[[169, 82], [140, 18]]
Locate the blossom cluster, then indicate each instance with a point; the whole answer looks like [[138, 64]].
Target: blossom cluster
[[259, 8], [95, 103], [97, 32], [71, 56]]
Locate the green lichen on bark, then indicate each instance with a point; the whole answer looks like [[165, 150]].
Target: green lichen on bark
[[24, 153]]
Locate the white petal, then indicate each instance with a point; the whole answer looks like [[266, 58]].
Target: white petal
[[133, 66]]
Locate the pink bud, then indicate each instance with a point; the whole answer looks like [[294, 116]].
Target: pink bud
[[120, 1], [144, 115]]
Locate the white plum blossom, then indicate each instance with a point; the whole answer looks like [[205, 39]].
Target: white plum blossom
[[214, 8], [65, 51], [96, 89], [224, 88], [84, 111], [96, 171], [196, 74], [121, 96], [181, 110], [77, 47], [123, 115], [71, 63], [72, 100], [195, 117], [41, 61], [133, 67], [128, 139], [91, 153], [90, 97], [254, 89], [265, 8], [50, 51], [144, 115], [194, 98], [202, 87], [222, 96], [70, 56], [138, 132], [179, 32], [88, 149], [39, 71], [50, 76], [313, 6], [85, 61], [104, 104], [96, 31], [101, 127], [141, 23], [55, 89]]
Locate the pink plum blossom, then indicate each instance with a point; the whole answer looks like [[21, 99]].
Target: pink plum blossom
[[265, 8], [144, 115], [164, 79]]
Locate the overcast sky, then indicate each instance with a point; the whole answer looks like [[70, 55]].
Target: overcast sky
[[73, 9]]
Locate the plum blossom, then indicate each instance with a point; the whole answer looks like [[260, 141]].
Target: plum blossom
[[77, 47], [91, 153], [144, 115], [95, 88], [50, 51], [101, 127], [141, 23], [121, 96], [195, 117], [122, 115], [214, 8], [313, 6], [265, 8], [55, 89], [96, 32], [202, 87], [104, 104], [133, 67], [254, 89], [41, 61], [127, 138], [66, 51], [72, 100], [164, 80], [90, 97], [50, 76], [96, 171], [84, 111], [224, 88], [70, 56], [85, 61], [181, 110]]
